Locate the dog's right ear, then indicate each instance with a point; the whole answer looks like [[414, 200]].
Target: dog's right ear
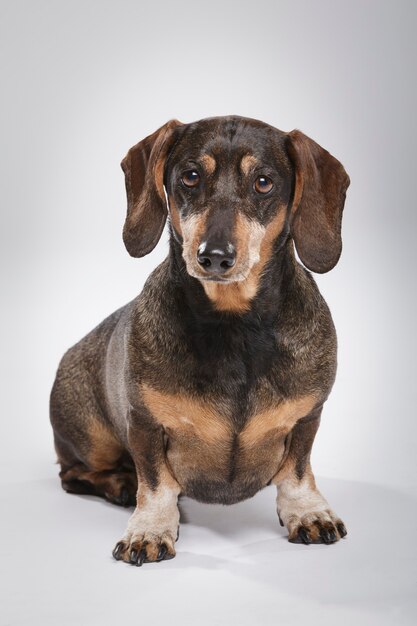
[[143, 167]]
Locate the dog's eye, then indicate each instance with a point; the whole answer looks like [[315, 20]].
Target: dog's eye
[[190, 178], [263, 184]]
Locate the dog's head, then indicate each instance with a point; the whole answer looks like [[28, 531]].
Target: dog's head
[[234, 186]]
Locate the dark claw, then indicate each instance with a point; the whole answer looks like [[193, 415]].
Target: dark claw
[[280, 521], [141, 558], [304, 535], [133, 557], [162, 552], [118, 550], [342, 530], [324, 534], [333, 536], [178, 533]]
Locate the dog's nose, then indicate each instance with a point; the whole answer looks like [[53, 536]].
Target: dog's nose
[[216, 259]]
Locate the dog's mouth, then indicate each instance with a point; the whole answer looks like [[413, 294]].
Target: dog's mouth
[[216, 279], [235, 277]]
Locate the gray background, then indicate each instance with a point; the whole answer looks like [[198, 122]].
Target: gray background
[[83, 81]]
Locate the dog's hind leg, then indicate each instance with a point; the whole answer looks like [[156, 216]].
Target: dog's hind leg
[[92, 458], [111, 476]]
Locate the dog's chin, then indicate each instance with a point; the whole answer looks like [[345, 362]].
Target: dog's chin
[[236, 277], [216, 279]]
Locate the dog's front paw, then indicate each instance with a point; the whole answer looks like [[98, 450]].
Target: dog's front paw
[[149, 538], [315, 528], [147, 548], [307, 515]]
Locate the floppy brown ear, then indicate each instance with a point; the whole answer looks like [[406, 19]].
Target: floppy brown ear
[[319, 196], [143, 167]]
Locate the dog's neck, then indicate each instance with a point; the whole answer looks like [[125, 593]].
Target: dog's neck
[[257, 298]]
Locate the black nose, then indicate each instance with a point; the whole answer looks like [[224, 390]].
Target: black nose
[[216, 259]]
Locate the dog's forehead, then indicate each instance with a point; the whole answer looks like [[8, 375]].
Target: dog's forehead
[[230, 137]]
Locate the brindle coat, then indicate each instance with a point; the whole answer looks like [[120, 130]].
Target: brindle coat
[[212, 381]]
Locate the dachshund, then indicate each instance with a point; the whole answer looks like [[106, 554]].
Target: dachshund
[[211, 382]]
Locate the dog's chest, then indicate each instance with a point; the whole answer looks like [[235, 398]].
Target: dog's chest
[[209, 450]]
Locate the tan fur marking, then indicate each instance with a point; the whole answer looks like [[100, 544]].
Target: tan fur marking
[[298, 191], [209, 163], [273, 229], [247, 163], [105, 449], [192, 230], [184, 413], [282, 417], [174, 215], [248, 236], [159, 176], [234, 297]]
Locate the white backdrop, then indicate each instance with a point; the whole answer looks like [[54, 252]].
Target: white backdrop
[[83, 81]]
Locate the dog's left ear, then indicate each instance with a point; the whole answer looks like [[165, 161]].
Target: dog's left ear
[[143, 167], [319, 196]]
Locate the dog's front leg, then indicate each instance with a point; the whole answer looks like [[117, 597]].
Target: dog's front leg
[[152, 529], [300, 505]]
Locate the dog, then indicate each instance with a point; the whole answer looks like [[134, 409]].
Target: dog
[[211, 382]]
